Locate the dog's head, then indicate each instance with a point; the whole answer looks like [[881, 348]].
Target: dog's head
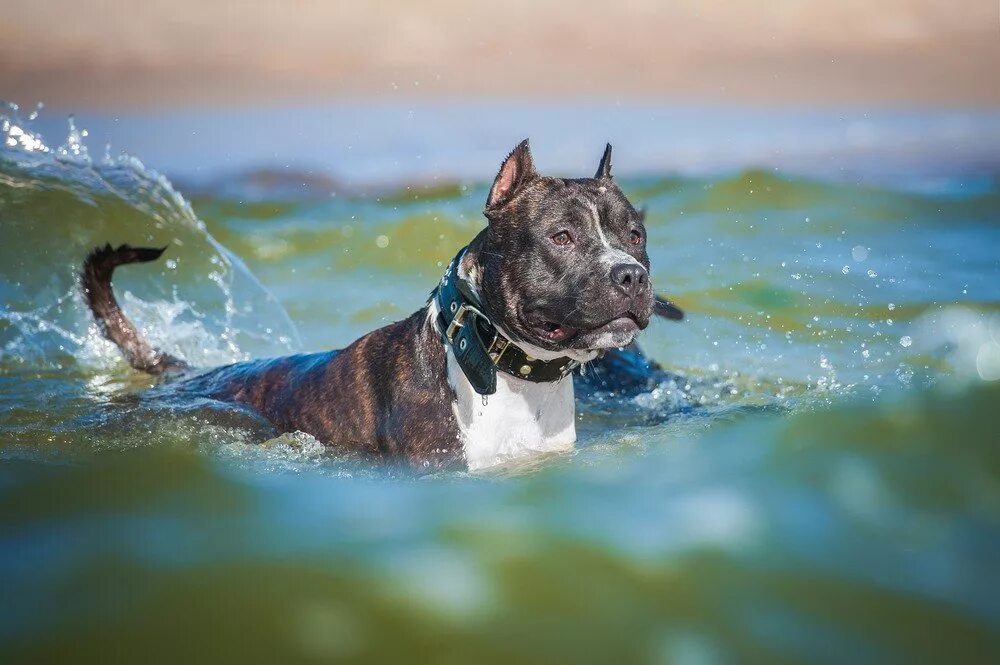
[[564, 263]]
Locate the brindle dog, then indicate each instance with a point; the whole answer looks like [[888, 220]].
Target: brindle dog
[[483, 372]]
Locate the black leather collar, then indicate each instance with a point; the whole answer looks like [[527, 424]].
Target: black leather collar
[[480, 348]]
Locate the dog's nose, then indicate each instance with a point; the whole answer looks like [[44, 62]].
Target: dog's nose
[[631, 278]]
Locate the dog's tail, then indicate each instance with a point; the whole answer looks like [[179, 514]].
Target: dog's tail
[[95, 280]]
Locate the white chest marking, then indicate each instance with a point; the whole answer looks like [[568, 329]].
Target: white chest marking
[[520, 419]]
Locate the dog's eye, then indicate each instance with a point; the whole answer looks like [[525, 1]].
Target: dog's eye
[[635, 237], [562, 238]]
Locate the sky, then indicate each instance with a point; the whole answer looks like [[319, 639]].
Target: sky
[[94, 54]]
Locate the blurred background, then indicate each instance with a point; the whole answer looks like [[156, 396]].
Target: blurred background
[[813, 478], [169, 53], [394, 90]]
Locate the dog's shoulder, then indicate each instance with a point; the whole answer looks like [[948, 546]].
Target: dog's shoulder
[[391, 386]]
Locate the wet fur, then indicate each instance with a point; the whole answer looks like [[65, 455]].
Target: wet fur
[[386, 395], [390, 394], [95, 283]]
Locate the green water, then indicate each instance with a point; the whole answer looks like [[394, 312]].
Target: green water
[[820, 484]]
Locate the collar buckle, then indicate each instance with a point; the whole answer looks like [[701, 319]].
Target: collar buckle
[[458, 321], [497, 347]]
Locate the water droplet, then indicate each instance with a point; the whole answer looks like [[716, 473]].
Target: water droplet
[[905, 341], [382, 241], [859, 253]]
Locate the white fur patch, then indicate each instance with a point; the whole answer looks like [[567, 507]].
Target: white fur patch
[[610, 340], [611, 256], [521, 419]]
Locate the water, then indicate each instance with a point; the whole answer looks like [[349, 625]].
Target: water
[[821, 483]]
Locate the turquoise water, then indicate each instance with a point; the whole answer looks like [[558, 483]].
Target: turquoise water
[[820, 484]]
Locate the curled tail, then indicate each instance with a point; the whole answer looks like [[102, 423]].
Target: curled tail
[[95, 280]]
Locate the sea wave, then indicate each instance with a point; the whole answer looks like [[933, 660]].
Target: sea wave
[[57, 202]]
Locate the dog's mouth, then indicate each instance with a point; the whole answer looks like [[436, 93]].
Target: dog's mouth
[[613, 332], [552, 331], [619, 331]]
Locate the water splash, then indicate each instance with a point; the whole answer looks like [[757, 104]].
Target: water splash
[[201, 304]]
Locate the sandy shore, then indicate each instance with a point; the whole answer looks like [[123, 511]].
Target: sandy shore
[[162, 52]]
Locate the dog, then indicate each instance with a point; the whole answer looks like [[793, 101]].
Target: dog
[[483, 373]]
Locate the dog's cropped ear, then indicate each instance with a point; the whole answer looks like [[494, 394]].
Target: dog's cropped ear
[[515, 172], [604, 168]]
